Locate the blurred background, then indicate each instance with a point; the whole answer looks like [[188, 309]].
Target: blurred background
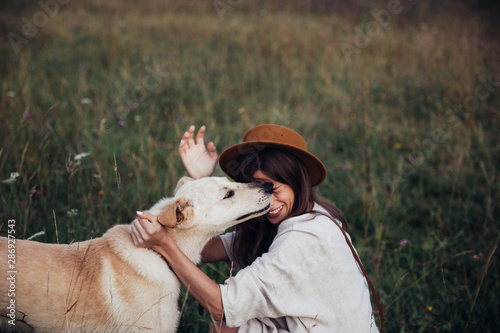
[[400, 99]]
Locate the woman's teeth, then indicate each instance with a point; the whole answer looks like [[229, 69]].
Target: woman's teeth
[[276, 211]]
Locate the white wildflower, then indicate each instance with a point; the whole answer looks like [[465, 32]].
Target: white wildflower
[[81, 155], [12, 178], [86, 101], [72, 213]]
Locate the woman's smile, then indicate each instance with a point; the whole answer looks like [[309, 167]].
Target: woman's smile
[[275, 212], [282, 201]]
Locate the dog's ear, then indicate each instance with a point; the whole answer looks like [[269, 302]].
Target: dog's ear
[[177, 212], [181, 182]]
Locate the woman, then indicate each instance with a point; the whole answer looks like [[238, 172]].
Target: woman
[[296, 272]]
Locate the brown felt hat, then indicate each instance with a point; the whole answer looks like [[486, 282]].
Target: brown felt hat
[[272, 136]]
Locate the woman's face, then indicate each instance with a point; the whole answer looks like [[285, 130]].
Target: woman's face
[[282, 201]]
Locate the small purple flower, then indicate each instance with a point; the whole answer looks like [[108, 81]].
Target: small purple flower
[[403, 242], [477, 256], [472, 204], [122, 123], [28, 115], [39, 192], [344, 167], [492, 110]]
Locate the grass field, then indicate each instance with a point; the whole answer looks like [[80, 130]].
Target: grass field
[[401, 101]]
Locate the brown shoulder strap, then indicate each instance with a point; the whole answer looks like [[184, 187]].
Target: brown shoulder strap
[[380, 311]]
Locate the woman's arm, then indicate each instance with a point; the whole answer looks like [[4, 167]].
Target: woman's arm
[[147, 232], [214, 251]]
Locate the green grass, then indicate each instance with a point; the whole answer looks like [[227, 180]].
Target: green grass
[[405, 125]]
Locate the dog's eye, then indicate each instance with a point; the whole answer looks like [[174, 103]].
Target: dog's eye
[[229, 194]]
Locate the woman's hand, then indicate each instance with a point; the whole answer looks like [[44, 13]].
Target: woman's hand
[[147, 232], [197, 160]]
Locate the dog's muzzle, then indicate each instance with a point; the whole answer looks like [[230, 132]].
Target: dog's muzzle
[[254, 213]]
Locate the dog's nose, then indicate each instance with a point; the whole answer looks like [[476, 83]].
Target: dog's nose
[[268, 188]]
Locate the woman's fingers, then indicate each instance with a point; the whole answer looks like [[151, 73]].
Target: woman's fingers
[[188, 139], [189, 136], [212, 150], [145, 230], [136, 233], [199, 135], [148, 216]]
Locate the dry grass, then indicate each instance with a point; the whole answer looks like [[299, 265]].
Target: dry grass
[[411, 148]]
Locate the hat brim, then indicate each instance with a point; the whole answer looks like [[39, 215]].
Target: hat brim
[[228, 160]]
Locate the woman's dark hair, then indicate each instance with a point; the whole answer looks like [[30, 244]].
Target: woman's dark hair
[[254, 237]]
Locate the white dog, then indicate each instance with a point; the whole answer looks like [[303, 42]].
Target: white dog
[[110, 285]]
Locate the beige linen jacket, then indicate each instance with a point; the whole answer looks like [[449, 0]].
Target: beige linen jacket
[[308, 281]]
